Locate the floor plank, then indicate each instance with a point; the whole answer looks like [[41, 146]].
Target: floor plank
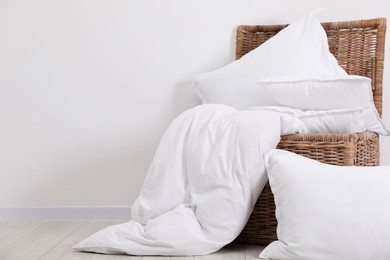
[[86, 230], [253, 252], [18, 232], [11, 224], [63, 250], [155, 257], [229, 252], [125, 257], [115, 257], [54, 241], [8, 227], [39, 241]]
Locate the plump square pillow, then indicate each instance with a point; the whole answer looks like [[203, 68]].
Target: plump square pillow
[[328, 212], [299, 49], [325, 93]]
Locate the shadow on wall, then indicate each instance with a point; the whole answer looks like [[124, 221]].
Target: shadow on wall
[[184, 98]]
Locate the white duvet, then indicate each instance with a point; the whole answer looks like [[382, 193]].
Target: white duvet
[[205, 178]]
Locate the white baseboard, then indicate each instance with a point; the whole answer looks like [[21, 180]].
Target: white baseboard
[[64, 213]]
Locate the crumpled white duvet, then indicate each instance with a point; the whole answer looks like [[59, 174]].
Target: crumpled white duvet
[[205, 178]]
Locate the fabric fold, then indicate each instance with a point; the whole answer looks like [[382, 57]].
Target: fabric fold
[[201, 187]]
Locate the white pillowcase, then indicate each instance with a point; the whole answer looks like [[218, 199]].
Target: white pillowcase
[[328, 212], [341, 121], [325, 93], [318, 92], [299, 49]]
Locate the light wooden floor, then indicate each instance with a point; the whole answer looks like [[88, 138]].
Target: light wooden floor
[[52, 240]]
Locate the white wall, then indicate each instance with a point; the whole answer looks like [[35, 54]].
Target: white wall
[[87, 87]]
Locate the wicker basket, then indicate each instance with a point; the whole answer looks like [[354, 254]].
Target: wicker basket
[[359, 48]]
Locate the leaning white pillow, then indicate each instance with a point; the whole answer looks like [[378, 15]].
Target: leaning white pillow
[[338, 121], [328, 212], [300, 49], [325, 93]]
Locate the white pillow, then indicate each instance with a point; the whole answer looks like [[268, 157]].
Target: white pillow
[[328, 212], [341, 121], [318, 92], [325, 93], [299, 49]]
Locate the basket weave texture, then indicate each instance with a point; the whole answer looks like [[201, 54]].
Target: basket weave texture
[[359, 49]]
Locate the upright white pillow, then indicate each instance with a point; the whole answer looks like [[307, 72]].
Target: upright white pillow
[[299, 49], [328, 212]]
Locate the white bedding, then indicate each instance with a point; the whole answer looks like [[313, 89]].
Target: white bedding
[[201, 186]]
